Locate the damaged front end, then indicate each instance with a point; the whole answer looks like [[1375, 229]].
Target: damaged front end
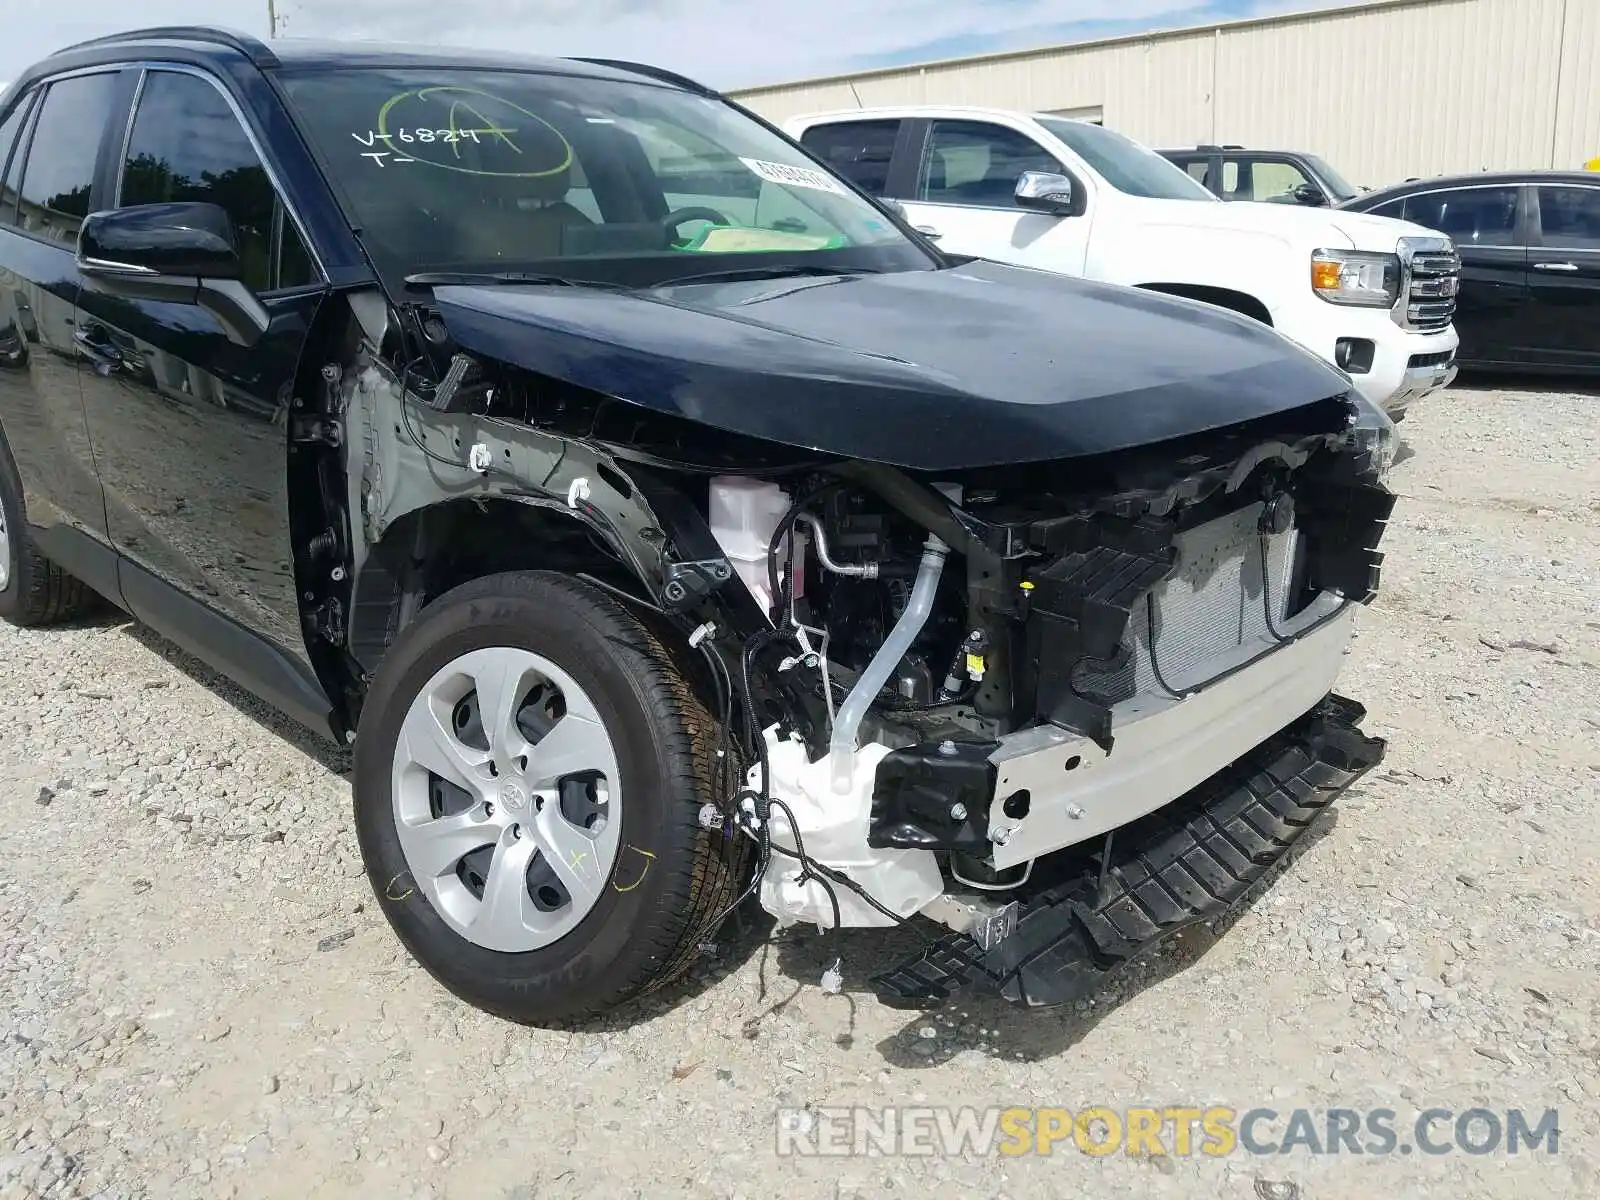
[[1100, 715], [1059, 708]]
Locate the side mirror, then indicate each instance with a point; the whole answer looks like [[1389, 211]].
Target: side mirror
[[1309, 194], [1045, 191], [179, 253]]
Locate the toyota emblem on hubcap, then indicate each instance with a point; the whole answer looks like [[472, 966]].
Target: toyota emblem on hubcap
[[512, 796]]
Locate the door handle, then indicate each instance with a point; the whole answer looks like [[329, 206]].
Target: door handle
[[929, 232], [103, 356], [1555, 266]]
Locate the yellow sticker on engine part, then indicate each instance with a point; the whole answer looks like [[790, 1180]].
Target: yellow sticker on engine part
[[975, 666]]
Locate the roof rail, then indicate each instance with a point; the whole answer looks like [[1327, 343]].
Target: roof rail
[[663, 75], [252, 48]]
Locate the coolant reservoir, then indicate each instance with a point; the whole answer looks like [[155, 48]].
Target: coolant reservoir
[[744, 514]]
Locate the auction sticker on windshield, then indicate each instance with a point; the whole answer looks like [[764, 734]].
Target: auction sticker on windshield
[[793, 176]]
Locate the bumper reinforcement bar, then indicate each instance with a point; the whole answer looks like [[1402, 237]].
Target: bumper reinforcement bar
[[1189, 861]]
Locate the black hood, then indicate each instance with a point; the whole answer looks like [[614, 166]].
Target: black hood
[[972, 366]]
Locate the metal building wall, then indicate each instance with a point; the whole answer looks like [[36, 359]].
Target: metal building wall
[[1385, 91]]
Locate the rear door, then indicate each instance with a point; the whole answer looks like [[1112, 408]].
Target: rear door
[[1489, 225], [50, 182], [1564, 275], [861, 151]]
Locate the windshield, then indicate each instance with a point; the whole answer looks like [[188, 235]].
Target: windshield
[[1126, 165], [583, 178], [1341, 188]]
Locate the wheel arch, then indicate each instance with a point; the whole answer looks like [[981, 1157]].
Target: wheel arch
[[1232, 299], [432, 549]]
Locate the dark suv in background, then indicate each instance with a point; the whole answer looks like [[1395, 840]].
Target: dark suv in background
[[1530, 262]]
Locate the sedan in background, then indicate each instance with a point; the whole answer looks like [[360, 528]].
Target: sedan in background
[[1530, 262]]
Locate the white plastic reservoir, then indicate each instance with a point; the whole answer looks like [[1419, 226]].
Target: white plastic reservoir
[[744, 514], [834, 828]]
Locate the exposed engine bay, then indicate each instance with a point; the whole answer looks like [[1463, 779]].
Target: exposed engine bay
[[945, 693], [981, 704]]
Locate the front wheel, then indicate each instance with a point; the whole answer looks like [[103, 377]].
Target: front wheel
[[528, 776]]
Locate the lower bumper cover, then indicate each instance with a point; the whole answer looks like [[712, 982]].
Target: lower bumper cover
[[1187, 862], [1419, 382]]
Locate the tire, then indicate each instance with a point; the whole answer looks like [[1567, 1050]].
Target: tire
[[33, 590], [669, 878]]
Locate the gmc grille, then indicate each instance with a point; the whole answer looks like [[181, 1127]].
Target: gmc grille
[[1431, 281]]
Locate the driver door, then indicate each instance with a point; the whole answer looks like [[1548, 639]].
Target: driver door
[[189, 429], [964, 198], [1266, 180]]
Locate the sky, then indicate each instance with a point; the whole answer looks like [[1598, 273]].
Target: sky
[[723, 43]]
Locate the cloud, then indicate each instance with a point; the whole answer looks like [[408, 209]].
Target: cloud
[[725, 43]]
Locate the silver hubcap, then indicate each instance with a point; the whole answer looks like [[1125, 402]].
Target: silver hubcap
[[5, 553], [506, 799]]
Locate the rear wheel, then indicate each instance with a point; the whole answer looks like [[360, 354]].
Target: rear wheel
[[33, 590], [528, 776]]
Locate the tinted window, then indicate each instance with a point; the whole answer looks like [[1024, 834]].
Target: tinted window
[[1571, 217], [973, 162], [858, 150], [10, 132], [1390, 208], [1126, 165], [187, 145], [1198, 169], [59, 174], [1469, 216]]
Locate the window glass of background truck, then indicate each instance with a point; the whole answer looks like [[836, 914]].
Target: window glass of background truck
[[1570, 217], [861, 151], [187, 145], [1198, 169], [1130, 167], [59, 174], [1484, 216], [10, 131], [1274, 182], [972, 162]]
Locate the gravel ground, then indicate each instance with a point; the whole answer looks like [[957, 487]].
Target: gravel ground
[[201, 1000]]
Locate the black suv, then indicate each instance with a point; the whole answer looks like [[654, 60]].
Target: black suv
[[664, 521]]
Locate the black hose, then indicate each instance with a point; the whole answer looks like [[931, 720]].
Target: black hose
[[785, 530], [918, 503]]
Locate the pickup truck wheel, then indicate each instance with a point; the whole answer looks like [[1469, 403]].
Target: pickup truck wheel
[[33, 590], [529, 771]]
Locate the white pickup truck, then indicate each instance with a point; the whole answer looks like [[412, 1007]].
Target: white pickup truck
[[1371, 295]]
